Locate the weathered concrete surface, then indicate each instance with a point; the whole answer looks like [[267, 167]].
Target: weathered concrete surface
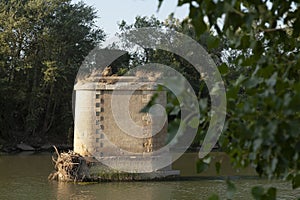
[[100, 172], [96, 133], [95, 125]]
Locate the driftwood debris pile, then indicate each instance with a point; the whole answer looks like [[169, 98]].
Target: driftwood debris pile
[[69, 167]]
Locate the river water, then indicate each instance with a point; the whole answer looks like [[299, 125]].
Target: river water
[[24, 176]]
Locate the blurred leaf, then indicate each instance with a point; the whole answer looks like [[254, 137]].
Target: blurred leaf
[[181, 2], [253, 82], [271, 194], [159, 4], [231, 189], [207, 159], [240, 79], [223, 68], [257, 192], [272, 80], [218, 167], [201, 166], [296, 181], [175, 110], [197, 20], [257, 144], [214, 197], [212, 42], [194, 122]]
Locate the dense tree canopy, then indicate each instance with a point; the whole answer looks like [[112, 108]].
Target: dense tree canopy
[[42, 44]]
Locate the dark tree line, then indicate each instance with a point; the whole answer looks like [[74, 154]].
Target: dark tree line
[[42, 44]]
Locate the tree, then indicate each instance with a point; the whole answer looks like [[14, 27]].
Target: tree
[[42, 44], [168, 58], [148, 55], [264, 100]]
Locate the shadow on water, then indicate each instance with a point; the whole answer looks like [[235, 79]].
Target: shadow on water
[[24, 176]]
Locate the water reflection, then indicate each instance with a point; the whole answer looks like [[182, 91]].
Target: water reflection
[[25, 177], [116, 191], [183, 190]]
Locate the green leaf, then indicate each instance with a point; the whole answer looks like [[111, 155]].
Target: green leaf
[[207, 159], [201, 166], [214, 197], [194, 122], [296, 181], [271, 194], [272, 80], [218, 167], [257, 144], [232, 93], [245, 41], [173, 128], [175, 110], [257, 192], [197, 20], [274, 164], [253, 82], [203, 104], [223, 69], [212, 42], [181, 2], [240, 79], [231, 189], [159, 4], [296, 30]]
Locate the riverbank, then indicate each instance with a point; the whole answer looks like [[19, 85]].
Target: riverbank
[[19, 141], [13, 148]]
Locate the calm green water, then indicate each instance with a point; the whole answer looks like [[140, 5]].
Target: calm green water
[[25, 177]]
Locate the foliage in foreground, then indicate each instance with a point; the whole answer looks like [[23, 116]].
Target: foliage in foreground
[[262, 80]]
